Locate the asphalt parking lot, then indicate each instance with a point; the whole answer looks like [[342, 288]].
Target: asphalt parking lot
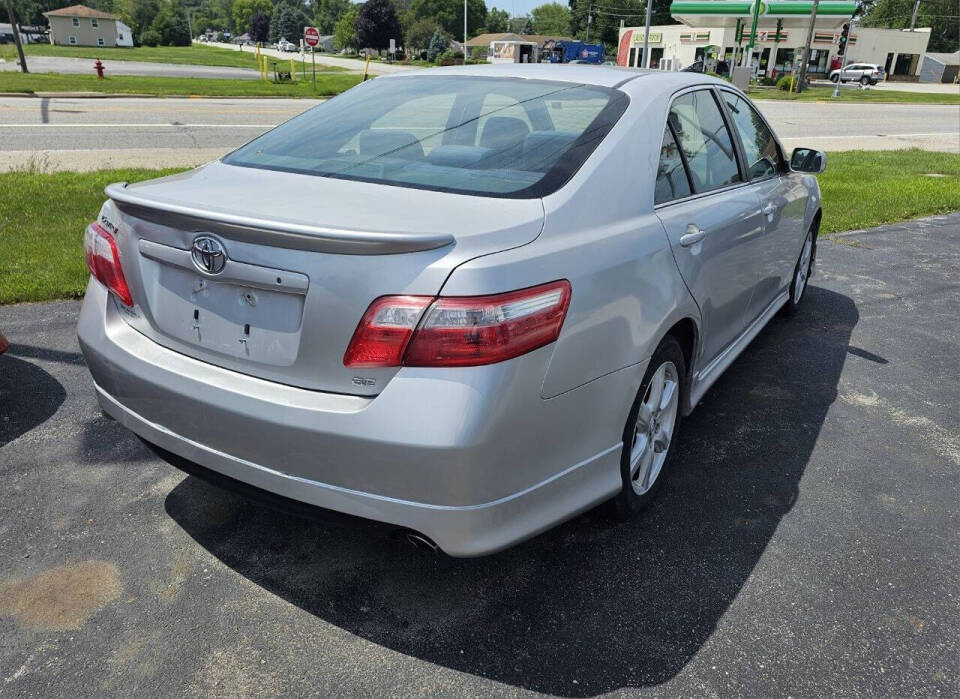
[[806, 542]]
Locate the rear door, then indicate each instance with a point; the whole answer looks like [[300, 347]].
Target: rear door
[[782, 201], [711, 218]]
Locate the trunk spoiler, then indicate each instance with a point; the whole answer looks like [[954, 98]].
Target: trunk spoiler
[[278, 233]]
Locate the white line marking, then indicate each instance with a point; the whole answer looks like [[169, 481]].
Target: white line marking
[[166, 126], [872, 135]]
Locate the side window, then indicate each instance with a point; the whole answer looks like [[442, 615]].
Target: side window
[[672, 180], [763, 156], [704, 140]]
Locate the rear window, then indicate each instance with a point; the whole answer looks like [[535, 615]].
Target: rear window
[[474, 135]]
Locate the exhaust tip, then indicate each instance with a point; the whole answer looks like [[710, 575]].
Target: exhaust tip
[[418, 540]]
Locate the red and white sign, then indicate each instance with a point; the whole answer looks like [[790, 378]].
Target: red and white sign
[[311, 37]]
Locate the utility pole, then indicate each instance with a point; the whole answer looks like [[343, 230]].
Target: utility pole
[[589, 20], [464, 32], [646, 35], [15, 26], [913, 19], [806, 47]]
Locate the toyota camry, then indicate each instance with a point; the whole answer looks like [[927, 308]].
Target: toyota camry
[[469, 302]]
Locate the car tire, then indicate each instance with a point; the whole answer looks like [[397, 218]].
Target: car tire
[[865, 81], [801, 274], [650, 434], [834, 78]]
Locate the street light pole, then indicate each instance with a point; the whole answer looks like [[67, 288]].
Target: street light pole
[[15, 26], [806, 47]]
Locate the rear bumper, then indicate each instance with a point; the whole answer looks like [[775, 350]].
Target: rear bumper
[[473, 458]]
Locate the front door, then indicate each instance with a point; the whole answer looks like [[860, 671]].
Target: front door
[[712, 220], [782, 202]]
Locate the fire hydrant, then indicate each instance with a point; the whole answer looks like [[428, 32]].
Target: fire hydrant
[[98, 66]]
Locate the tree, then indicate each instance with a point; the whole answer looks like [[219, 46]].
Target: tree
[[497, 20], [171, 24], [552, 19], [243, 11], [438, 45], [377, 23], [141, 15], [939, 15], [148, 37], [520, 25], [285, 24], [259, 27], [606, 25], [449, 14], [419, 34], [326, 14], [345, 33]]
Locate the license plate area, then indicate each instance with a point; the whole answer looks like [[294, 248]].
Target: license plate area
[[248, 321]]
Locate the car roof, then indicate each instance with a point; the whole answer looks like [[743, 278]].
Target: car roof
[[600, 75]]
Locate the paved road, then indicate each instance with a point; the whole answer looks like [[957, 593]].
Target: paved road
[[805, 543], [57, 64], [92, 133]]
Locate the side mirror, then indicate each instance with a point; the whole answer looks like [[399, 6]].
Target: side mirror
[[808, 160]]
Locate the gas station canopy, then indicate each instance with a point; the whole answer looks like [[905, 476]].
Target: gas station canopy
[[792, 13]]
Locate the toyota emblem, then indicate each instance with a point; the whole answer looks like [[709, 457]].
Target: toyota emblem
[[208, 254]]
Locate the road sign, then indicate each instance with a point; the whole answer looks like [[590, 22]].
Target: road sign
[[311, 36]]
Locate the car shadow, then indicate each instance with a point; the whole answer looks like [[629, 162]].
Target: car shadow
[[29, 396], [593, 605]]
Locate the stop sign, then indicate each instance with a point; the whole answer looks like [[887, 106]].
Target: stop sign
[[311, 36]]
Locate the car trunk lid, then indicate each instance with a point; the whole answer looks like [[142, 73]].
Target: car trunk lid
[[296, 260]]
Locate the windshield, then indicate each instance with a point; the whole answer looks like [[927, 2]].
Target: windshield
[[475, 135]]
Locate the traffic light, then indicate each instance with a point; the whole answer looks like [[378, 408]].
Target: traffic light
[[843, 39]]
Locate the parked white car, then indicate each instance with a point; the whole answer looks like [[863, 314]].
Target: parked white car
[[286, 46], [863, 73]]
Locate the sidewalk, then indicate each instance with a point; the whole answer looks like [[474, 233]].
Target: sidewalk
[[376, 67]]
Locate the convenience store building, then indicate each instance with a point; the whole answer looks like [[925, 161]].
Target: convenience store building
[[721, 29]]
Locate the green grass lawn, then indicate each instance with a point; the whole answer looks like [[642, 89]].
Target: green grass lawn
[[852, 94], [42, 219], [328, 83], [42, 216], [198, 54], [869, 188]]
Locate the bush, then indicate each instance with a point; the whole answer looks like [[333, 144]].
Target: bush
[[783, 84], [767, 82], [438, 45], [150, 38]]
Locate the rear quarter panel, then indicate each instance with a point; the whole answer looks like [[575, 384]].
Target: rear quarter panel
[[601, 234]]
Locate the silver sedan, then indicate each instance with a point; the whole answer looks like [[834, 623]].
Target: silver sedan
[[469, 302]]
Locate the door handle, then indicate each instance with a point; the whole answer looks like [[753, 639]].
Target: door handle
[[769, 208], [693, 236]]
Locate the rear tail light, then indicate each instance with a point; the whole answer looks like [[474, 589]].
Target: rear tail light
[[103, 260], [384, 331], [458, 330]]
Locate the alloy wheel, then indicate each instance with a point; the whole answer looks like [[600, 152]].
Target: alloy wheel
[[803, 270], [654, 428]]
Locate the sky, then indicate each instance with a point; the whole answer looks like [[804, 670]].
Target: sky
[[518, 8]]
